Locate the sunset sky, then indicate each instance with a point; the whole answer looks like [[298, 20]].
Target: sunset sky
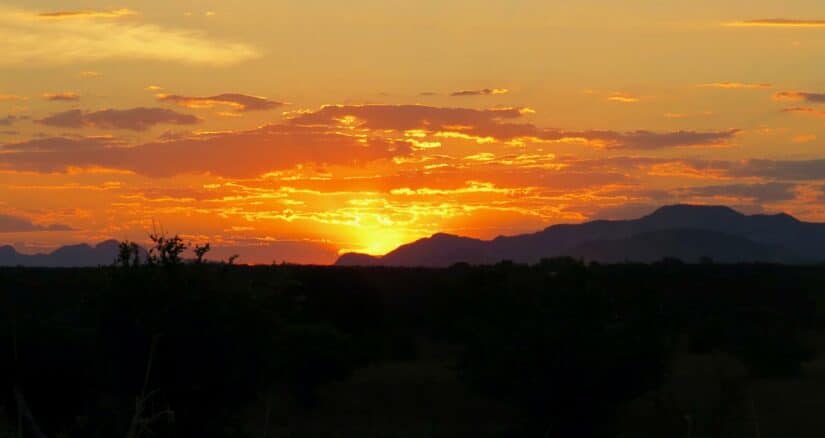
[[296, 130]]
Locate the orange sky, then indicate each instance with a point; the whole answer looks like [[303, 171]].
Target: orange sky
[[284, 130]]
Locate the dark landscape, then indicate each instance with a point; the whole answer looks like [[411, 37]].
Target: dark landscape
[[412, 219], [151, 344]]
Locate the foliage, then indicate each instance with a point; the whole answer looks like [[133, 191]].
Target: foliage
[[187, 351]]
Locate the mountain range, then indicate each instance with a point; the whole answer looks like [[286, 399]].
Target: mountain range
[[72, 256], [687, 232]]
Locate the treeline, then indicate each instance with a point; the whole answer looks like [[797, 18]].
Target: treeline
[[175, 349]]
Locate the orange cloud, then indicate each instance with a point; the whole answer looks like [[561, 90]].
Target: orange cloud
[[66, 96], [65, 15], [802, 110], [233, 154], [10, 97], [135, 119], [238, 102], [804, 138], [778, 22], [736, 85], [623, 98], [481, 92], [493, 125]]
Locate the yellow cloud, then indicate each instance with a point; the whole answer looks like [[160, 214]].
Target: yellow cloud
[[735, 85], [623, 98], [777, 22], [80, 37], [67, 15]]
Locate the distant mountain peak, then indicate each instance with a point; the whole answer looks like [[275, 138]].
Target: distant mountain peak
[[682, 230], [695, 209]]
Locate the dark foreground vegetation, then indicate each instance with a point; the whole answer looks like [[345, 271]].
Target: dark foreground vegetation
[[555, 349]]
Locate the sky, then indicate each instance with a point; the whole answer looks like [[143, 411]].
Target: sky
[[295, 131]]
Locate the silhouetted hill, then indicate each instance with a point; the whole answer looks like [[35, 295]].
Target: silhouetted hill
[[82, 255], [688, 232]]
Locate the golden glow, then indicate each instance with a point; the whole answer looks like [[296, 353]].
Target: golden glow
[[778, 22], [495, 120]]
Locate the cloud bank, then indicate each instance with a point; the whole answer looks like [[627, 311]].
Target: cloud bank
[[58, 38]]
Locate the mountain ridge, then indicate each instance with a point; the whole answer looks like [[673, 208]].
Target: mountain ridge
[[69, 256], [726, 235]]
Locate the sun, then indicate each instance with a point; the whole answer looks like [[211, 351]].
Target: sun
[[378, 240]]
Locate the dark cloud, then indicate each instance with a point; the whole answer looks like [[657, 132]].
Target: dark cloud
[[9, 120], [16, 224], [786, 170], [647, 140], [135, 119], [238, 102], [800, 95], [481, 92], [764, 192]]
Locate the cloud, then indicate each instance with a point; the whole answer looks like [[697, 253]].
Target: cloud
[[807, 111], [647, 140], [494, 125], [233, 154], [66, 96], [16, 224], [481, 92], [623, 98], [84, 37], [9, 120], [89, 74], [736, 85], [135, 119], [798, 95], [237, 102], [10, 98], [67, 15], [804, 138], [778, 22], [763, 192], [785, 170]]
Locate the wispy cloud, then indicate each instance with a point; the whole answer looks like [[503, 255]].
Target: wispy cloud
[[135, 119], [736, 85], [273, 148], [481, 92], [68, 15], [623, 98], [66, 96], [17, 224], [237, 102], [84, 36], [777, 22], [799, 95], [10, 97], [807, 111]]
